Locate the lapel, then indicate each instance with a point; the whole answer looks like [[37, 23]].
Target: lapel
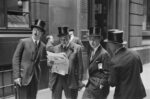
[[33, 48], [32, 45], [38, 51], [96, 54], [68, 51]]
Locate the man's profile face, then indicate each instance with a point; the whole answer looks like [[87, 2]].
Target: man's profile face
[[94, 41], [64, 40], [37, 33]]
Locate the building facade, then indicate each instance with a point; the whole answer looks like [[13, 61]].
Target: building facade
[[131, 16]]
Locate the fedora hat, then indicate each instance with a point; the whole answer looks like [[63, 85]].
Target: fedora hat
[[39, 24], [62, 31], [94, 31], [115, 36]]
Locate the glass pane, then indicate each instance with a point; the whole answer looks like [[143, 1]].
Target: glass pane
[[18, 20], [18, 16], [2, 13]]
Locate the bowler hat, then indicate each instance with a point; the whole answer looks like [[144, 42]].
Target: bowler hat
[[39, 24], [115, 36], [62, 31], [94, 31]]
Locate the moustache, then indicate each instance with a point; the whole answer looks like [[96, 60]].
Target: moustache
[[35, 34]]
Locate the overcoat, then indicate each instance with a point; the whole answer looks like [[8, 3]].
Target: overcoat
[[75, 74], [125, 75], [26, 60]]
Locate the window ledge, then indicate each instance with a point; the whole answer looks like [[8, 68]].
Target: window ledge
[[15, 31], [146, 42]]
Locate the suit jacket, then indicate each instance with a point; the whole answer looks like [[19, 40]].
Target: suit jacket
[[96, 76], [75, 74], [77, 41], [26, 60], [125, 75]]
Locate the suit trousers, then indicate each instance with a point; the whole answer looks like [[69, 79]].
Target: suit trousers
[[29, 91], [92, 93], [61, 85]]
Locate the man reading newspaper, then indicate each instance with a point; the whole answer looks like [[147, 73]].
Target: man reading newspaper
[[65, 76]]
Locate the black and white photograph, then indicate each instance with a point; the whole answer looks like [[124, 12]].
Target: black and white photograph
[[74, 49]]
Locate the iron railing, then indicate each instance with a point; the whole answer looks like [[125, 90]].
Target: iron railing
[[6, 83]]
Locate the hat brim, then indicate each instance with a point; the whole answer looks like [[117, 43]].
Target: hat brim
[[107, 41], [32, 26]]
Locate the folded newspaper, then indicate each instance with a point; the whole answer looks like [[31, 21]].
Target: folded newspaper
[[61, 62]]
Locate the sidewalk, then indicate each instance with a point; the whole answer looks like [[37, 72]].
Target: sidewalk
[[46, 93]]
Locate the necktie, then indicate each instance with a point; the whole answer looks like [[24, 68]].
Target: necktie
[[36, 43], [36, 49], [92, 55]]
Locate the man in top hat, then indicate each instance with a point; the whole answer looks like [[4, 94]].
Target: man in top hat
[[73, 38], [26, 59], [126, 67], [97, 86], [70, 83]]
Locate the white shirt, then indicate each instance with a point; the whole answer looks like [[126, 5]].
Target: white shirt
[[71, 38]]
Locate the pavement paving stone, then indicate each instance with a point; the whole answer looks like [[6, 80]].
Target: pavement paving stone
[[46, 93]]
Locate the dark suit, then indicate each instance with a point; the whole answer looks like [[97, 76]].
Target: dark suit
[[69, 83], [26, 66], [125, 75], [98, 77]]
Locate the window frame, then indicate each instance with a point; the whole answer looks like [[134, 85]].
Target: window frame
[[145, 31], [6, 18]]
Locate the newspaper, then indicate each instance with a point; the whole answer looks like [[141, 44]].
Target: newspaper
[[61, 62]]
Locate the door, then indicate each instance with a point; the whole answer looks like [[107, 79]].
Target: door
[[98, 14]]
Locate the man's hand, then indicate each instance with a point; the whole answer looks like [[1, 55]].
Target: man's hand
[[64, 54], [18, 81], [81, 85]]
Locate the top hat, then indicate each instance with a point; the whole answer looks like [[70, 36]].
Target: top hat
[[94, 31], [115, 36], [39, 24], [62, 31]]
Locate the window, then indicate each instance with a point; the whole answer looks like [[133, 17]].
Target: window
[[14, 16], [146, 22]]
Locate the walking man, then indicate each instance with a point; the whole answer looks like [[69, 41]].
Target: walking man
[[73, 38], [126, 67], [97, 86]]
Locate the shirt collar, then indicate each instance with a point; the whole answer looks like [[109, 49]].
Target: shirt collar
[[35, 40]]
